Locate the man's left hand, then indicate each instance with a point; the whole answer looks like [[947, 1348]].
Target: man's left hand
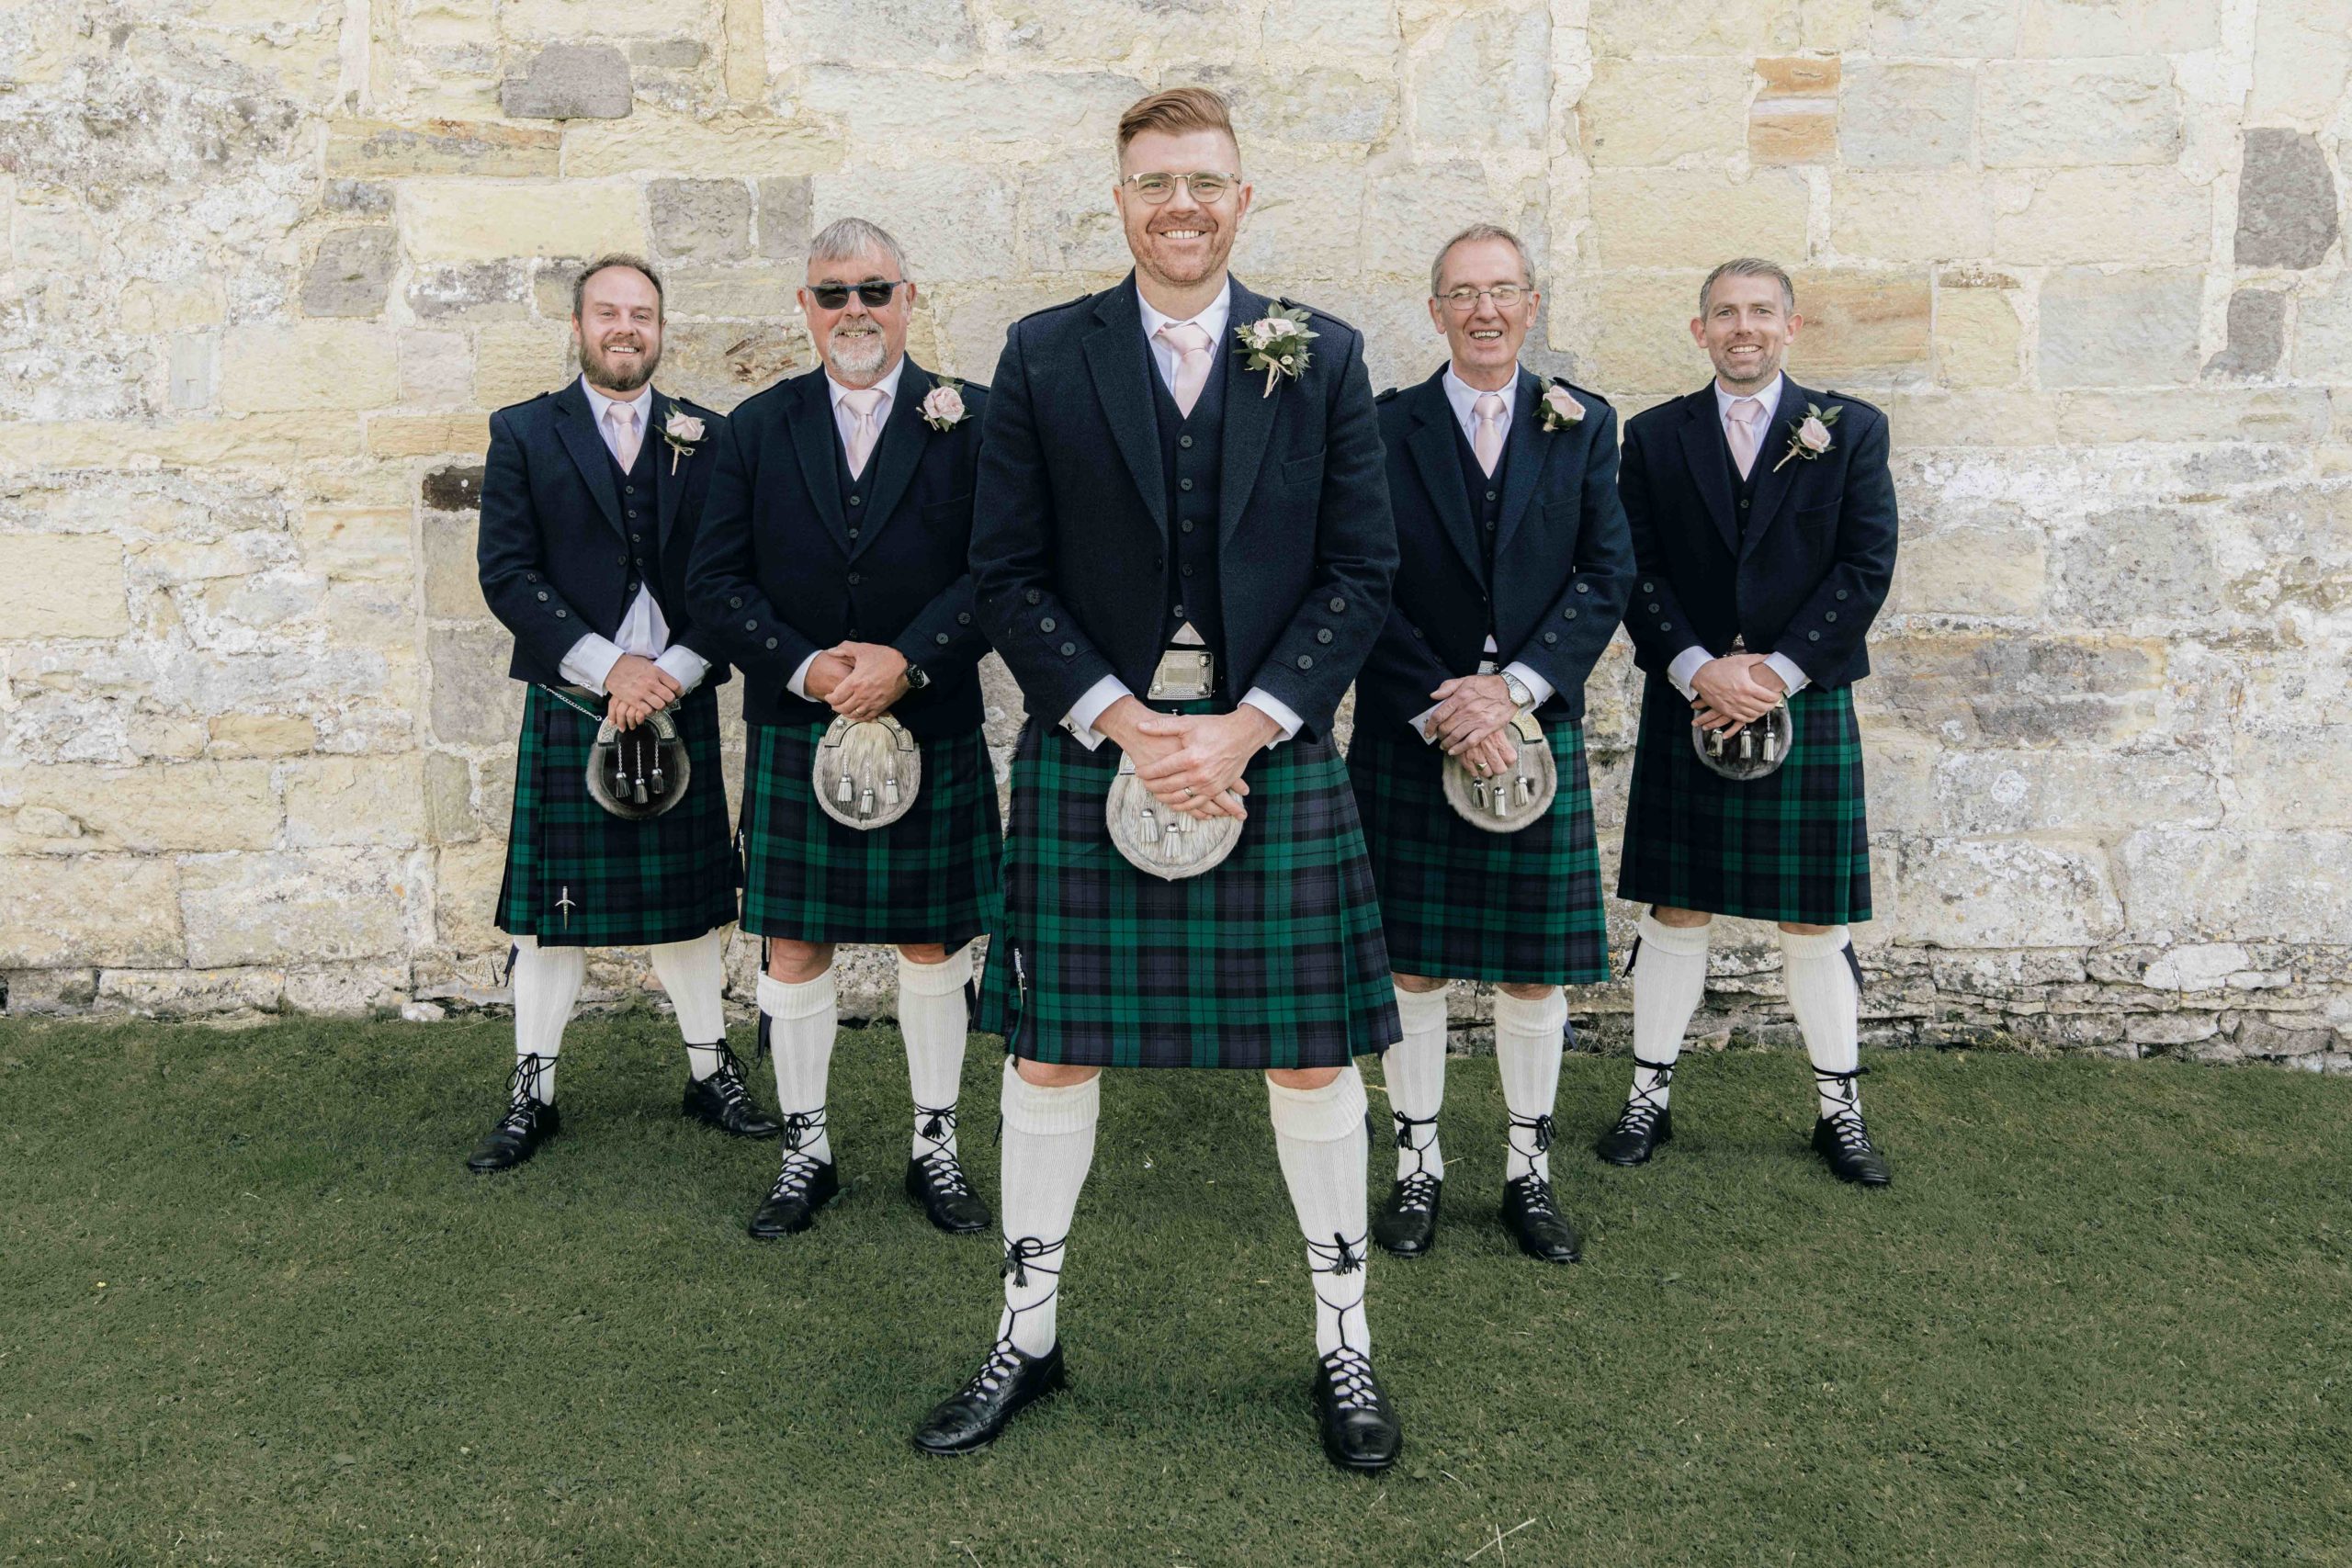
[[876, 679], [1215, 749], [1470, 708]]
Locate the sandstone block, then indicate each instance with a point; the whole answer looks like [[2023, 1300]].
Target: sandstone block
[[1975, 689], [449, 815], [2120, 329], [1793, 134], [2199, 967], [518, 361], [1344, 28], [1487, 81], [157, 305], [2048, 114], [2000, 794], [1749, 28], [1797, 76], [2245, 886], [472, 292], [740, 293], [700, 220], [190, 993], [2289, 414], [1671, 216], [2285, 1037], [452, 577], [2174, 1029], [64, 585], [1409, 211], [190, 806], [2004, 893], [89, 910], [1655, 111], [302, 368], [974, 244], [352, 272], [376, 150], [1300, 206], [2323, 336], [1972, 571], [2074, 29], [2293, 779], [720, 363], [2140, 216], [260, 735], [2302, 54], [466, 880], [2287, 201], [355, 543], [785, 228], [1871, 327], [569, 81], [194, 367], [312, 906], [473, 702], [1978, 335], [874, 32], [1643, 347], [1905, 116], [1968, 28], [436, 368], [355, 800], [2137, 564], [448, 220], [575, 19], [1295, 103], [2258, 335], [345, 991], [426, 436], [658, 143], [887, 112]]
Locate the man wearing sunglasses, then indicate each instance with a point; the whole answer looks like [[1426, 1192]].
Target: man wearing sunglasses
[[1515, 567], [832, 570], [1184, 549]]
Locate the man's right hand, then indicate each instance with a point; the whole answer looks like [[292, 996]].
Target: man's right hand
[[1734, 691], [828, 670], [1121, 725], [639, 689]]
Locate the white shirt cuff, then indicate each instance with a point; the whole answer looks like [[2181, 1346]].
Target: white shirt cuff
[[683, 665], [1273, 707], [1080, 720], [798, 684], [1685, 664], [1781, 664], [590, 660], [1539, 690]]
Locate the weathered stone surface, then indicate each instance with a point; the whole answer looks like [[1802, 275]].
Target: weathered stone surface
[[2142, 565], [317, 905], [518, 361], [1978, 335], [1972, 571], [2323, 334], [1668, 217], [906, 202], [2120, 329], [193, 806], [2139, 216], [473, 702], [1748, 27], [2004, 893], [63, 585], [260, 735], [2286, 200], [2258, 335], [1655, 111], [2074, 29], [352, 272], [2041, 113], [322, 365], [1911, 217], [873, 32], [657, 144], [1977, 689], [471, 291], [569, 81], [1905, 116], [190, 993], [784, 205], [2245, 886], [1967, 28], [1862, 327], [457, 489], [2303, 55], [1793, 134], [355, 800], [448, 221], [85, 909], [374, 148], [700, 220]]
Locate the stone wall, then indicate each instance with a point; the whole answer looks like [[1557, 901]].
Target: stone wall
[[268, 262]]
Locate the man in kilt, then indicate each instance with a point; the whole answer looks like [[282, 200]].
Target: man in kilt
[[1512, 554], [832, 570], [589, 499], [1764, 530], [1182, 547]]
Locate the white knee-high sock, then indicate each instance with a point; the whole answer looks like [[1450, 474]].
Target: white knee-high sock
[[932, 1018], [801, 1019], [1319, 1137], [1414, 1071], [694, 973], [546, 983], [1669, 978], [1829, 1007], [1048, 1148], [1527, 1051]]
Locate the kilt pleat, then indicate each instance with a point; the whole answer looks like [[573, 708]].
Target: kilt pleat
[[1462, 904], [1274, 959], [1792, 846], [931, 876], [578, 876]]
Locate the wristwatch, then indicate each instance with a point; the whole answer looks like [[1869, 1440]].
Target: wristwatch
[[1520, 695], [916, 678]]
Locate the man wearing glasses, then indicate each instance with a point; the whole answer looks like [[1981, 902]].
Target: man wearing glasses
[[1182, 548], [832, 570], [1514, 568]]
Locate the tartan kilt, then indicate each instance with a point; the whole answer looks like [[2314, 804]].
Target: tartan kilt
[[931, 876], [1462, 904], [1274, 959], [628, 883], [1793, 846]]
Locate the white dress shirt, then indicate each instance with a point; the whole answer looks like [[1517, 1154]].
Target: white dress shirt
[[1080, 720], [643, 630], [1690, 660], [844, 423]]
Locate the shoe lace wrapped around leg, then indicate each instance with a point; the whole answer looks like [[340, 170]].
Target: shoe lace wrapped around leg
[[521, 1095], [940, 1166], [1024, 1256], [727, 1079], [1348, 1373], [1648, 1103], [1846, 1124], [1331, 1260], [801, 1128], [1417, 1191]]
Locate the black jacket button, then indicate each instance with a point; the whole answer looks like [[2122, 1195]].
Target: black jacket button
[[1183, 484], [543, 595], [563, 614], [942, 639], [854, 579], [1569, 614], [1551, 637], [1584, 587], [1649, 587], [1338, 605], [1033, 596], [963, 618], [1813, 637], [1046, 624], [1323, 636], [735, 602], [771, 644], [530, 577], [1653, 609], [1306, 662], [1068, 648], [1828, 615], [751, 625]]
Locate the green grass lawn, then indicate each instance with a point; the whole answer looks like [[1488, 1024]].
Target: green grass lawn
[[253, 1308]]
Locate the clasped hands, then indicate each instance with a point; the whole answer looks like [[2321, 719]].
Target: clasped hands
[[1470, 719], [638, 689], [1734, 691], [1190, 762], [859, 681]]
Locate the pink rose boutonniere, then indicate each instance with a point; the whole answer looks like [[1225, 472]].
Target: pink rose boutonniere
[[943, 409], [1560, 409], [1809, 437], [683, 432]]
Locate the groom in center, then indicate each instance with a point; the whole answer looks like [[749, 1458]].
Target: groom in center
[[1182, 546]]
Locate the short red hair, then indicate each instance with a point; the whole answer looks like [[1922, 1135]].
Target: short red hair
[[1175, 111]]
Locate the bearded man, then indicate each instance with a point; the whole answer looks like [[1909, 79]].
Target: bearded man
[[589, 499], [1182, 546]]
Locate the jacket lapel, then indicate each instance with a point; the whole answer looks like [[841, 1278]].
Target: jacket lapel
[[1526, 452], [1249, 416], [815, 438], [672, 469], [904, 437], [1433, 445], [575, 426], [1120, 365], [1704, 449], [1774, 483]]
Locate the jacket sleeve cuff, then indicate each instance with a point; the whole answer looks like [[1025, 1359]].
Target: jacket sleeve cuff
[[590, 660]]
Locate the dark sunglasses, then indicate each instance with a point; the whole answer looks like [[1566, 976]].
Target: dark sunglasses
[[833, 296]]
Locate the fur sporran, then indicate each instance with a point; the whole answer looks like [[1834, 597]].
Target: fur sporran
[[866, 774], [1508, 801]]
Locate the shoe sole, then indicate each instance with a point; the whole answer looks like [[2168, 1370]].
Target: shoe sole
[[808, 1221], [1405, 1251], [1362, 1466], [699, 1119], [1061, 1381]]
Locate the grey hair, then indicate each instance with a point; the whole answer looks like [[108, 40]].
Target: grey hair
[[845, 238], [1751, 266], [1481, 231], [612, 259]]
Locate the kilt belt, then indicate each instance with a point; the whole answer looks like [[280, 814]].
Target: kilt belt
[[1274, 959], [931, 876], [1458, 903], [1792, 846], [578, 876]]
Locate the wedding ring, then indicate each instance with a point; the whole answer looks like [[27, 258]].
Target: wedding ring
[[1188, 792]]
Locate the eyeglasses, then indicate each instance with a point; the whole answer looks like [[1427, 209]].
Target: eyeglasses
[[1206, 189], [872, 293], [1462, 301]]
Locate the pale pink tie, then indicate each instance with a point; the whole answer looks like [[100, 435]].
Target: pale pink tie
[[622, 417], [1190, 344], [864, 429], [1744, 412], [1489, 442]]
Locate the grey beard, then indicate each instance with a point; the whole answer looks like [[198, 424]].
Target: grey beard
[[840, 358], [602, 374]]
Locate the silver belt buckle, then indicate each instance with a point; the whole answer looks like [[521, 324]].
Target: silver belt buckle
[[1185, 676]]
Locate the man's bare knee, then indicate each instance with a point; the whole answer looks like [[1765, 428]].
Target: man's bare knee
[[798, 962], [1678, 919], [1794, 929], [1053, 1075], [1420, 984], [923, 953], [1526, 993], [1302, 1078]]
